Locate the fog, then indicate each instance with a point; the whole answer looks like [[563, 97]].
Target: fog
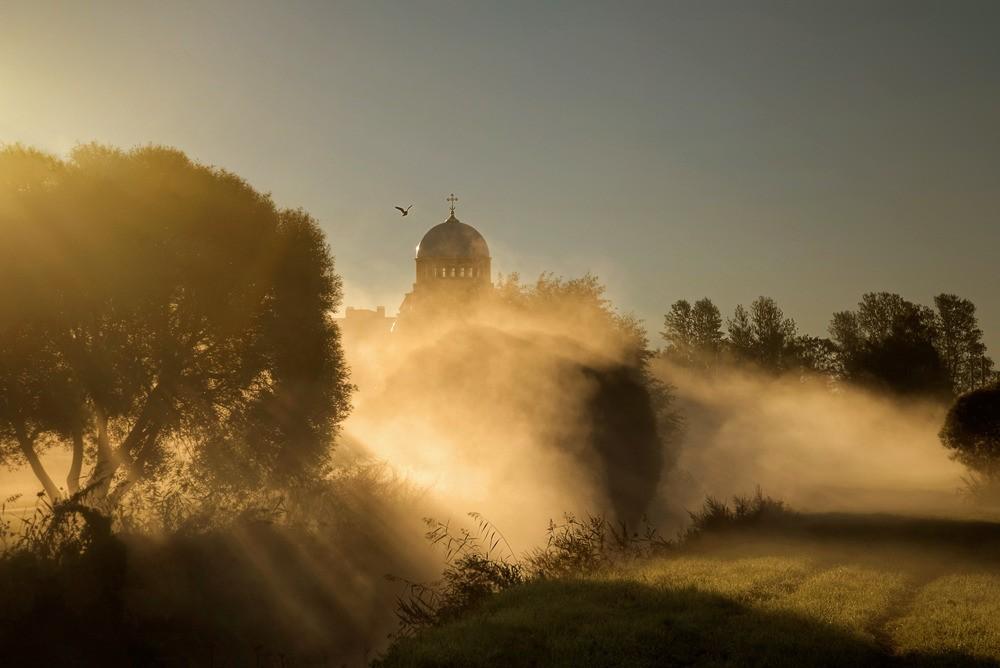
[[523, 414], [816, 447], [494, 413], [489, 413]]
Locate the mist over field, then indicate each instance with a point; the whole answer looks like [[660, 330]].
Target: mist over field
[[819, 450], [423, 334]]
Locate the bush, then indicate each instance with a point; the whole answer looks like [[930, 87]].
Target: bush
[[209, 581], [972, 432], [481, 563], [592, 545], [747, 512]]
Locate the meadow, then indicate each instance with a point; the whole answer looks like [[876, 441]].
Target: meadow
[[819, 590]]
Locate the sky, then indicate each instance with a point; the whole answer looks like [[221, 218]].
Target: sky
[[808, 151]]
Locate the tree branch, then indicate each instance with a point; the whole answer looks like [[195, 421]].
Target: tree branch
[[28, 450]]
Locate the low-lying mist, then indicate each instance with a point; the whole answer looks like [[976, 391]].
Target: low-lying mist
[[521, 409], [512, 415], [495, 413], [816, 447]]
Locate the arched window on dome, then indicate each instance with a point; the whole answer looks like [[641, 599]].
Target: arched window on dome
[[453, 272]]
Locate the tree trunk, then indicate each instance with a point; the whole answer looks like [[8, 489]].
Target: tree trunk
[[135, 451], [28, 450], [73, 478], [104, 467]]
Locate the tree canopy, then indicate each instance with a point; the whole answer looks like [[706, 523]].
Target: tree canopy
[[887, 343], [890, 343], [972, 431], [153, 309]]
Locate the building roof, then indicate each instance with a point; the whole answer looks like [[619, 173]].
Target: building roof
[[453, 239]]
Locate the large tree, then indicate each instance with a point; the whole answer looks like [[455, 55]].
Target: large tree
[[148, 302], [889, 344]]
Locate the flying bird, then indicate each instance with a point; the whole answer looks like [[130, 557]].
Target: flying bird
[[406, 210]]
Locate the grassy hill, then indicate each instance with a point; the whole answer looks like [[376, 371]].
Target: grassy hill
[[812, 590]]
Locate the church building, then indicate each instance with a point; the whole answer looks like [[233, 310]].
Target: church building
[[452, 266]]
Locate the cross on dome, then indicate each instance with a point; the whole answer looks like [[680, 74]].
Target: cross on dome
[[451, 199]]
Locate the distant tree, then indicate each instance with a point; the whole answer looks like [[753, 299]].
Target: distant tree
[[878, 313], [971, 432], [634, 424], [763, 336], [740, 330], [162, 302], [889, 343], [677, 332], [959, 341], [707, 327], [693, 335], [818, 355]]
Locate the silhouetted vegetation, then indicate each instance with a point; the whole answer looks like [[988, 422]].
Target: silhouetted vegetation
[[971, 432], [480, 563], [754, 584], [171, 329], [241, 580], [887, 344], [747, 513], [146, 301], [693, 333]]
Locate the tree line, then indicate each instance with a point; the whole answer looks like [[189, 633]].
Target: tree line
[[886, 343]]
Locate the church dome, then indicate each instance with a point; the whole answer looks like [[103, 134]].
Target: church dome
[[453, 239]]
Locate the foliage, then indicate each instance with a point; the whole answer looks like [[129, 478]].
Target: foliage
[[889, 344], [155, 311], [818, 355], [481, 563], [763, 336], [478, 564], [960, 343], [860, 592], [636, 426], [748, 512], [593, 545], [247, 584], [971, 431], [693, 333]]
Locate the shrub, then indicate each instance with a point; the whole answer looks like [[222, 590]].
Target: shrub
[[972, 432], [481, 563], [747, 512]]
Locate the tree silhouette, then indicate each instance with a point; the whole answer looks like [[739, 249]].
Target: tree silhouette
[[162, 302], [633, 424], [889, 344], [693, 334], [972, 431], [960, 343], [763, 336]]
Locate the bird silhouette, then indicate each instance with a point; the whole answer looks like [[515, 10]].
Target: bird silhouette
[[406, 210]]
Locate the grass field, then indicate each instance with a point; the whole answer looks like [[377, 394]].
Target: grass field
[[828, 591]]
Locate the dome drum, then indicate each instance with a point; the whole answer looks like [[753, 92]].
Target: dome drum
[[453, 253]]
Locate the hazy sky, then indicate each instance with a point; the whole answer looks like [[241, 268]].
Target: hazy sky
[[807, 151]]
